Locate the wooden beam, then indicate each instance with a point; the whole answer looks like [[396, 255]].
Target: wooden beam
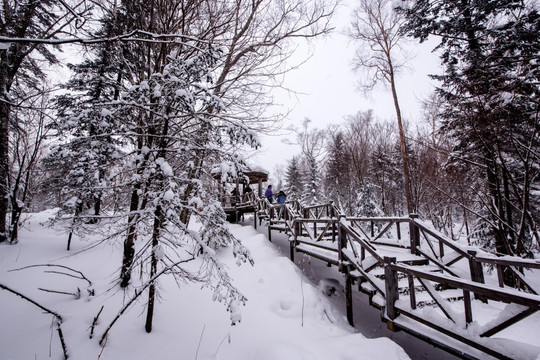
[[505, 324]]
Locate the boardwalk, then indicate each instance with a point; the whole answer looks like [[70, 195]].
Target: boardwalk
[[422, 282], [368, 319]]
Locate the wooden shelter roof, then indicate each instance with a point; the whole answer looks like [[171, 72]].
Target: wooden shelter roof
[[255, 175]]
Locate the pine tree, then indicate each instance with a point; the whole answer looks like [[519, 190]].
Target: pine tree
[[337, 182], [489, 86], [293, 179], [366, 202], [312, 189], [21, 69]]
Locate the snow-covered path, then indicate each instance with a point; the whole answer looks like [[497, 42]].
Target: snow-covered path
[[366, 318]]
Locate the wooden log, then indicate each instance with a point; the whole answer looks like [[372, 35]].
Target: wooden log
[[385, 229], [292, 245], [519, 262], [514, 319], [458, 337], [500, 275]]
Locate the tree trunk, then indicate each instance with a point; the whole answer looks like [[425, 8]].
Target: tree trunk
[[158, 223], [403, 146], [129, 243], [4, 155]]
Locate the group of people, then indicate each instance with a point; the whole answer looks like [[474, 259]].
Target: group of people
[[235, 198], [280, 196]]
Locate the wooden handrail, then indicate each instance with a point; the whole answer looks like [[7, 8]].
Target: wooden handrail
[[523, 263], [387, 218], [489, 291]]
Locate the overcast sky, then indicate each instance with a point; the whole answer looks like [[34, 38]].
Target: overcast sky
[[327, 90]]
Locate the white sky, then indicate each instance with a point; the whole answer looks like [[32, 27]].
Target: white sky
[[327, 90]]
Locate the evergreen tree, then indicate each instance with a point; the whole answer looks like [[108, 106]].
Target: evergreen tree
[[337, 182], [21, 70], [312, 188], [490, 89], [366, 202], [293, 179]]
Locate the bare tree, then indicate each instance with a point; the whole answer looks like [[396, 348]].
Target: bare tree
[[375, 27]]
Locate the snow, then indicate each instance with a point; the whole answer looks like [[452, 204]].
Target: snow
[[165, 167], [286, 317], [105, 112]]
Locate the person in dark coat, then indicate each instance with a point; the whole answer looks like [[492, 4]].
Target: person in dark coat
[[269, 194], [281, 197]]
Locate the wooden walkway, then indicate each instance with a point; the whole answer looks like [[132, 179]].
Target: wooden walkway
[[405, 266]]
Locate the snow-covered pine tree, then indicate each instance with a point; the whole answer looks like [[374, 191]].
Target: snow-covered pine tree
[[386, 174], [312, 193], [366, 203], [293, 179], [490, 86], [82, 162], [88, 135], [22, 67], [337, 180]]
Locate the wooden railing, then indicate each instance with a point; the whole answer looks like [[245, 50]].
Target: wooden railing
[[530, 303], [351, 244]]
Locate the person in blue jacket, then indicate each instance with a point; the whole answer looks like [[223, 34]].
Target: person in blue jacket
[[269, 194], [281, 197]]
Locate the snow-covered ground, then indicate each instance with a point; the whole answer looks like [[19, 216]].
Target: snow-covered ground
[[286, 317]]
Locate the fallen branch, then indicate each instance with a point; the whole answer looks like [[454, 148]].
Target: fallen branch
[[94, 323], [56, 315], [62, 342], [82, 277], [32, 301], [76, 295], [120, 313]]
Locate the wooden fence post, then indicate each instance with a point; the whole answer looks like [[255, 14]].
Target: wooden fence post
[[468, 308], [500, 275], [477, 273], [342, 239], [348, 295], [392, 294], [398, 230], [255, 212], [414, 234], [292, 245]]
